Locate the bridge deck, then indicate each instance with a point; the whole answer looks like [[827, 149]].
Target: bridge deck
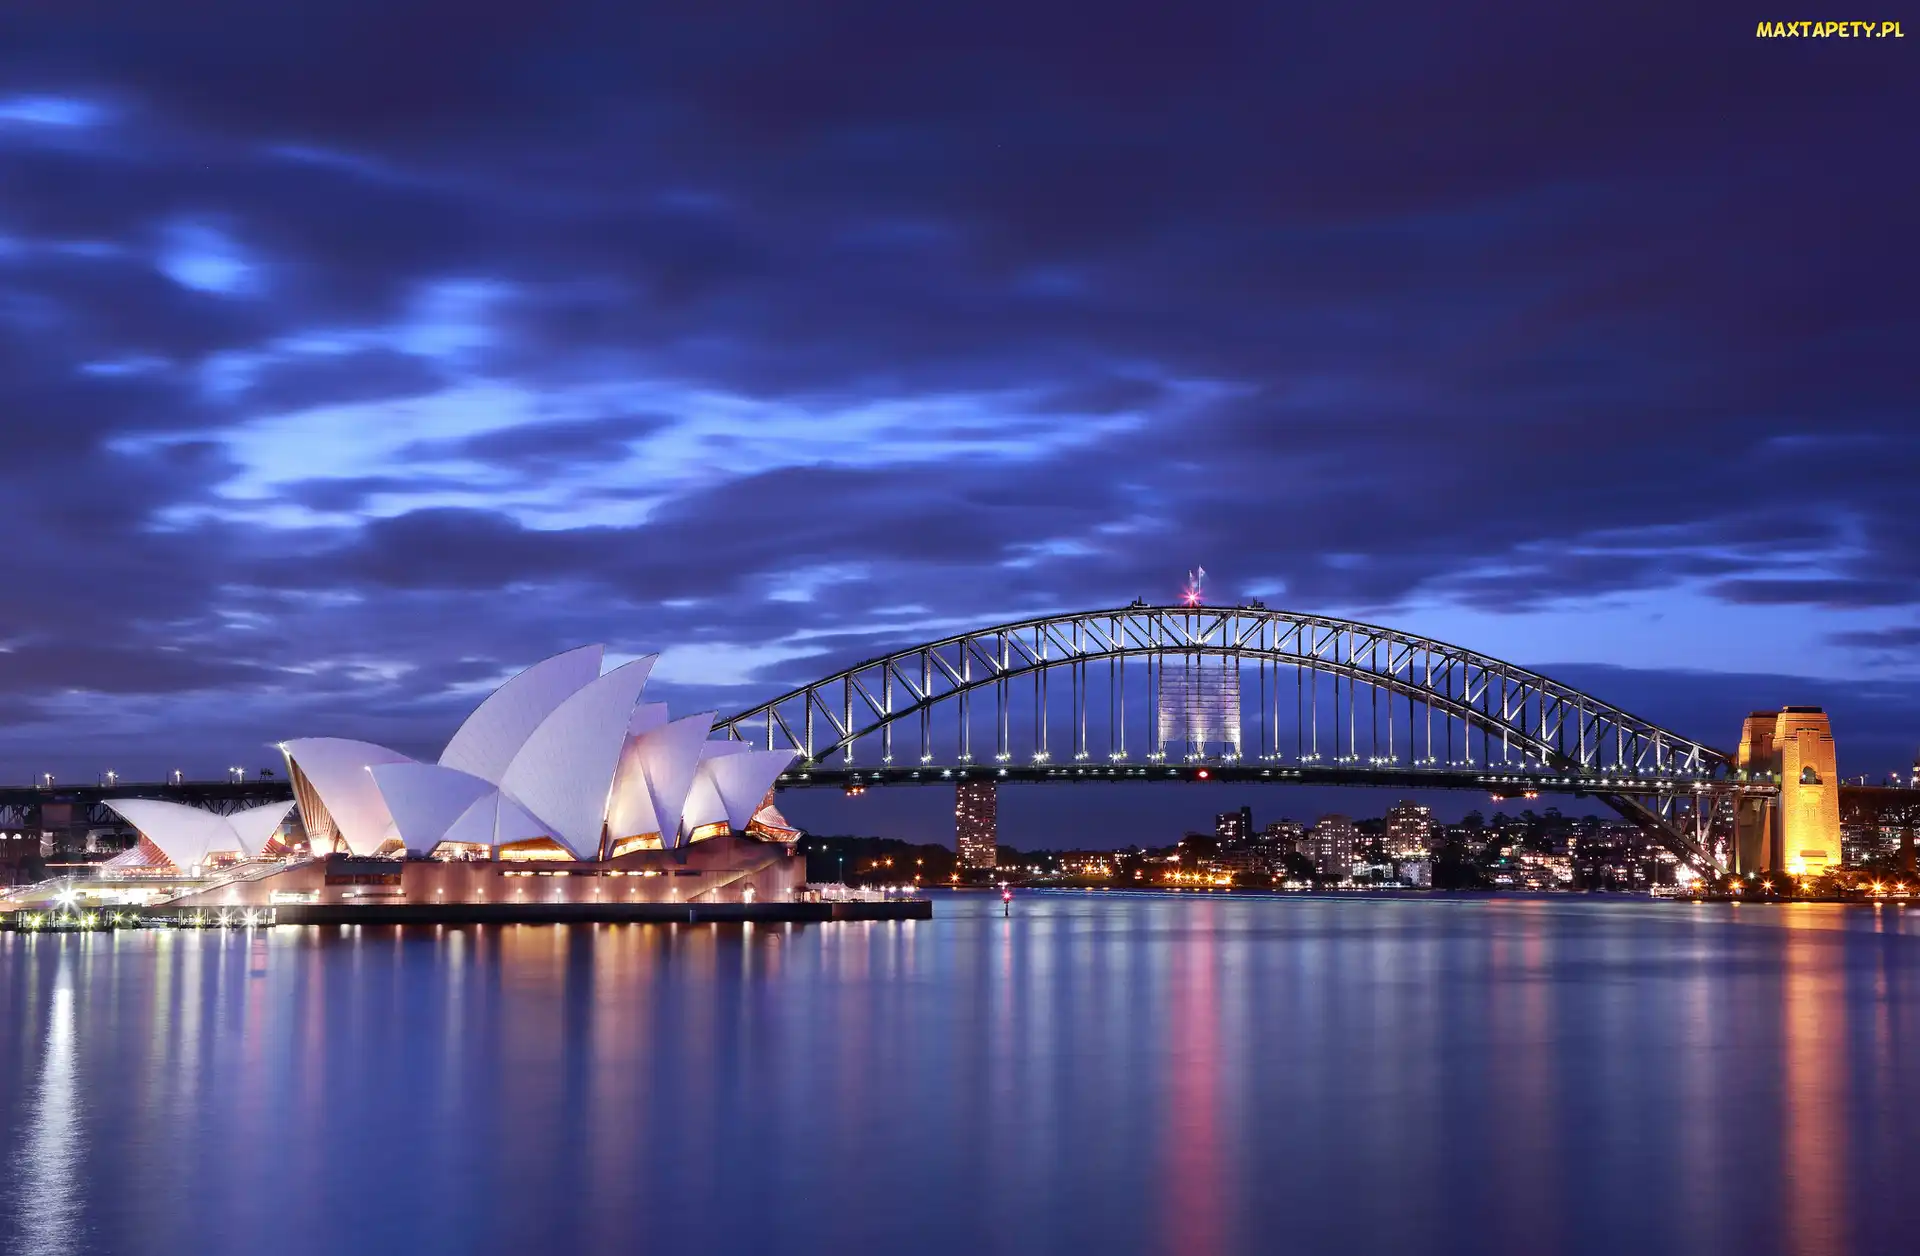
[[1505, 782]]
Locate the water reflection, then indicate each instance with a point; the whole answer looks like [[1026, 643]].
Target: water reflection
[[1814, 1018], [1193, 1208], [1125, 1076], [49, 1182], [1525, 1123]]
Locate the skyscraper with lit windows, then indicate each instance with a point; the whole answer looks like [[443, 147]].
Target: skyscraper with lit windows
[[1333, 841], [1233, 829], [976, 828], [1409, 831]]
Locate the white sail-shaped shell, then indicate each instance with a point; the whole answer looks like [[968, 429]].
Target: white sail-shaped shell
[[339, 770], [630, 808], [187, 835], [704, 805], [499, 727], [495, 820], [516, 824], [559, 751], [426, 798], [564, 773], [475, 826], [254, 826], [742, 781], [663, 764], [647, 717]]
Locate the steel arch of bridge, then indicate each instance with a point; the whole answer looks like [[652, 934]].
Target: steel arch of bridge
[[1566, 739], [1552, 724]]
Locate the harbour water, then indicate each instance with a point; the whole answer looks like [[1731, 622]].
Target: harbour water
[[1103, 1073]]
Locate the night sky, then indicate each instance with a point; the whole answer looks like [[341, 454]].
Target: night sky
[[354, 356]]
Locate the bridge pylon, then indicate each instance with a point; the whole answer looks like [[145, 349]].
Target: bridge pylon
[[1796, 832]]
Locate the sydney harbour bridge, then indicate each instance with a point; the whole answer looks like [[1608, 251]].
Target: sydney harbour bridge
[[1202, 693], [1245, 693]]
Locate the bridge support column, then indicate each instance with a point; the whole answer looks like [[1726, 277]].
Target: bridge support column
[[1755, 853], [1801, 835], [1809, 792]]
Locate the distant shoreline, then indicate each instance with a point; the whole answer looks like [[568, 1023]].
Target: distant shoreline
[[1408, 892]]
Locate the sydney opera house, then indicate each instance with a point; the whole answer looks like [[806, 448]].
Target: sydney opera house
[[563, 786]]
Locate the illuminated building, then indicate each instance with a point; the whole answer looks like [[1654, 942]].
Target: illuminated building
[[1237, 850], [1798, 834], [1409, 831], [561, 791], [976, 828], [1283, 837], [1091, 865], [1233, 828], [561, 762], [177, 838], [1331, 846], [1530, 870]]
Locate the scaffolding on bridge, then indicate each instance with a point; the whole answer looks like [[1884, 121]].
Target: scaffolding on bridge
[[1228, 686]]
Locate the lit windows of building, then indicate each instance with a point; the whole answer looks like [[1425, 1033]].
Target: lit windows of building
[[976, 829], [1283, 837], [1233, 829], [1332, 844], [1409, 831]]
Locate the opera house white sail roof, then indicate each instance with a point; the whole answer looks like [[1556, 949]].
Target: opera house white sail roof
[[561, 753], [190, 837]]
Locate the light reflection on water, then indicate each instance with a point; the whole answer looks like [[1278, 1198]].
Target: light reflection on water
[[48, 1186], [1097, 1073]]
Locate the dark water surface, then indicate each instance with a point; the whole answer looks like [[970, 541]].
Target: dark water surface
[[1100, 1074]]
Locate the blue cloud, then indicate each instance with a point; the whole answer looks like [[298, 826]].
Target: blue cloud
[[729, 343]]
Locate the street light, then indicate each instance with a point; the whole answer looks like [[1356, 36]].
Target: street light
[[178, 776], [112, 776]]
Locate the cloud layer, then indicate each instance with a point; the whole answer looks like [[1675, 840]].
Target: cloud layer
[[349, 362]]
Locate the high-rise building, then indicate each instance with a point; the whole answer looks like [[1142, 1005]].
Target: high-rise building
[[1233, 829], [1332, 844], [1283, 837], [976, 827], [1409, 831]]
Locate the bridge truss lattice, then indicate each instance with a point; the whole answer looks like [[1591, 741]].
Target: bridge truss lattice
[[1077, 696]]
